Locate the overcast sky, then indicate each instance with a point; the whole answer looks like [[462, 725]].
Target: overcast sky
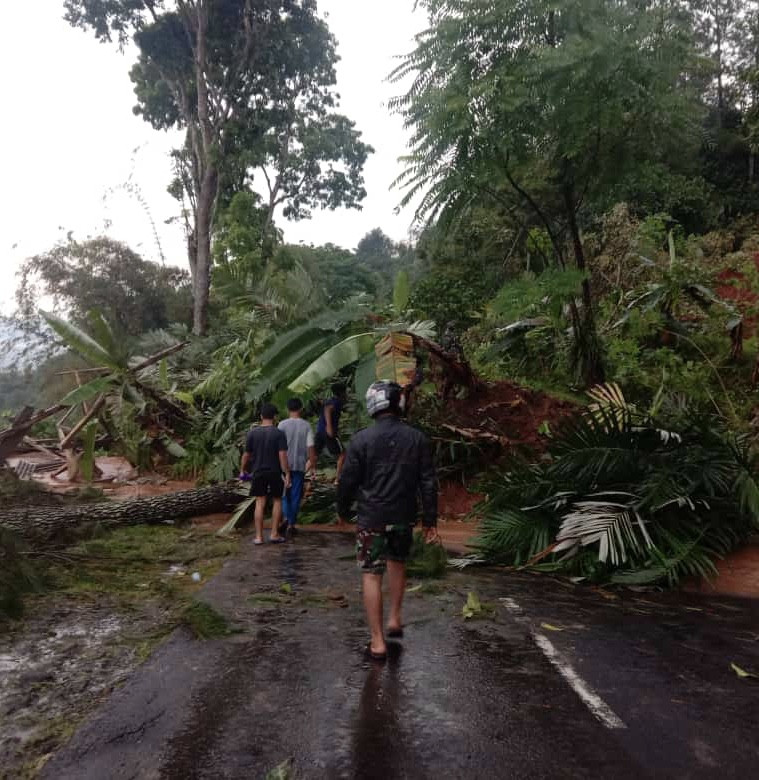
[[70, 141]]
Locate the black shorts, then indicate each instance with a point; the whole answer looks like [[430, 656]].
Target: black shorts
[[332, 444], [267, 483]]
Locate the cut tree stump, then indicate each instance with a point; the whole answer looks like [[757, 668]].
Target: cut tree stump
[[42, 525]]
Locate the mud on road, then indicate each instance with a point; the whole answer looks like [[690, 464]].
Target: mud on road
[[477, 698]]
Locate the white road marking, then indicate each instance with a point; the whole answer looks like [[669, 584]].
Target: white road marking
[[589, 697]]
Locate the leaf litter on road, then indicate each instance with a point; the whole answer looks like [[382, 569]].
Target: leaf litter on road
[[742, 673]]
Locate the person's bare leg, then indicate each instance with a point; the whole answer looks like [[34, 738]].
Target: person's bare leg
[[372, 590], [340, 461], [396, 573], [259, 517], [276, 517]]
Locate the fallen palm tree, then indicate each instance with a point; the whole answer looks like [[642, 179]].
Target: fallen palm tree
[[622, 496], [41, 525]]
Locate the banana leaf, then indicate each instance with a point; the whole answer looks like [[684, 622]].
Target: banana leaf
[[88, 391], [332, 361], [401, 293], [105, 337], [77, 340], [366, 374]]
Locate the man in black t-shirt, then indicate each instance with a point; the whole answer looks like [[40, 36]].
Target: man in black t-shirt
[[265, 459]]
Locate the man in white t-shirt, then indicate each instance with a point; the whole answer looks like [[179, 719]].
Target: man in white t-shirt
[[301, 456]]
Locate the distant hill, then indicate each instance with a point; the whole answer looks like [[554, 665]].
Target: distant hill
[[18, 349]]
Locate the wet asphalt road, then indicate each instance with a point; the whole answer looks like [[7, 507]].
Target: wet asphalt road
[[475, 699]]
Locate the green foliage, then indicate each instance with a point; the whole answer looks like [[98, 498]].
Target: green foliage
[[243, 241], [87, 347], [246, 370], [401, 293], [133, 294], [334, 360], [426, 561], [445, 298], [204, 621], [334, 271], [379, 255], [623, 498], [546, 294], [18, 576], [272, 113]]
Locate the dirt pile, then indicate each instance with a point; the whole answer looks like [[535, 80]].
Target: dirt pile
[[515, 417], [737, 288]]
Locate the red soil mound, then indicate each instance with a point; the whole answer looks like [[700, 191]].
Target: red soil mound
[[513, 414], [738, 290], [455, 500]]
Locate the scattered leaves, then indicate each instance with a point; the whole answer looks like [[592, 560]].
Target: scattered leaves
[[742, 673], [474, 608]]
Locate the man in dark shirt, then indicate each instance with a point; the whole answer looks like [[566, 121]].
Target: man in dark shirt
[[328, 427], [388, 467], [265, 459]]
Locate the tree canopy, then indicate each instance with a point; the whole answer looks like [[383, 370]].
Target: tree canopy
[[133, 294], [251, 84]]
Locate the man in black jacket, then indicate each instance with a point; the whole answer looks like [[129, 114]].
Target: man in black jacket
[[388, 467]]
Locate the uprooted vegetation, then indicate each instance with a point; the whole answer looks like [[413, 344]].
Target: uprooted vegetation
[[626, 496]]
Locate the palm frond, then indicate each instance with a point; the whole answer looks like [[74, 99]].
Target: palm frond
[[615, 526]]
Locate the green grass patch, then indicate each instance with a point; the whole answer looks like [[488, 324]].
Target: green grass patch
[[204, 621], [426, 561], [135, 562], [269, 599], [131, 565]]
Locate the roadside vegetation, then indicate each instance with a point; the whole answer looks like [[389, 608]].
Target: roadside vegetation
[[581, 292]]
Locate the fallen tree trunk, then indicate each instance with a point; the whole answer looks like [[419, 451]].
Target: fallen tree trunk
[[47, 524]]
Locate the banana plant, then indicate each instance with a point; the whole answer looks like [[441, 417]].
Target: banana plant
[[361, 348], [118, 376]]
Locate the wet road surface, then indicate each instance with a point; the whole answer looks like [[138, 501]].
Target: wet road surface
[[559, 681]]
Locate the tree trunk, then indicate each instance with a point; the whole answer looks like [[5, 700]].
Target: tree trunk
[[587, 345], [207, 175], [203, 230], [46, 524]]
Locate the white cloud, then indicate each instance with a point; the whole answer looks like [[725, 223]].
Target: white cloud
[[70, 139]]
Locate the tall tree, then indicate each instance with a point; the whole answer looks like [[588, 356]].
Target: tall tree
[[134, 295], [745, 42], [540, 108], [716, 26], [242, 78]]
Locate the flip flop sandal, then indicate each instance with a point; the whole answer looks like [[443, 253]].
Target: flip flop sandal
[[257, 542], [277, 540], [374, 656], [395, 633]]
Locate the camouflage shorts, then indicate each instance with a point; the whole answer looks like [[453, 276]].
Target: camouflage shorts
[[376, 546]]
